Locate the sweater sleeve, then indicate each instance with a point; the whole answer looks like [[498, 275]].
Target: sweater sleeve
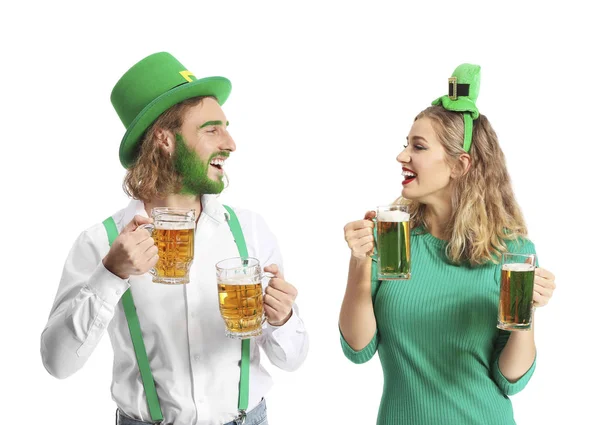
[[361, 356], [369, 350], [521, 246], [507, 387]]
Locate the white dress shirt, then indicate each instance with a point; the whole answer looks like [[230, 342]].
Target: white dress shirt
[[196, 367]]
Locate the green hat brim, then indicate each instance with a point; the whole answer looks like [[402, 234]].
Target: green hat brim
[[462, 104], [218, 87]]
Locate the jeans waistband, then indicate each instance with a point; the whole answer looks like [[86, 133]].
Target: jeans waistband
[[253, 417]]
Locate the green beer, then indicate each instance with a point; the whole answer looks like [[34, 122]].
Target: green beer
[[393, 244], [516, 296]]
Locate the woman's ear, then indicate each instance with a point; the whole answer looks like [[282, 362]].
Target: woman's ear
[[462, 166]]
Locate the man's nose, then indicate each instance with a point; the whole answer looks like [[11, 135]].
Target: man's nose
[[228, 143]]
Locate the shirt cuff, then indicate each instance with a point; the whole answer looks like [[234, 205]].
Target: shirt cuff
[[511, 388], [360, 356], [107, 286], [284, 334]]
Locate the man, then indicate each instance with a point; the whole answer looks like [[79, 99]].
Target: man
[[174, 149]]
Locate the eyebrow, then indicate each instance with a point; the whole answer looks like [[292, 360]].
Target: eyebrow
[[418, 137], [207, 123]]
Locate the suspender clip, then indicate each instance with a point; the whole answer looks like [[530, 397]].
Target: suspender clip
[[241, 418]]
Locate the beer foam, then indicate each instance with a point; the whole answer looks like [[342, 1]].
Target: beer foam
[[518, 267], [239, 280], [393, 216], [174, 225]]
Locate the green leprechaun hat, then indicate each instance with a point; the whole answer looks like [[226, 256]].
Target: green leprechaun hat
[[152, 86], [463, 89]]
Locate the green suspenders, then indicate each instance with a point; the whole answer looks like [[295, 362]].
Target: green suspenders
[[138, 342], [136, 337], [238, 235]]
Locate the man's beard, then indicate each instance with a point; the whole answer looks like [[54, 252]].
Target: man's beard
[[193, 171]]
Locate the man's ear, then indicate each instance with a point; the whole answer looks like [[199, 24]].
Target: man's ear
[[462, 166], [165, 140]]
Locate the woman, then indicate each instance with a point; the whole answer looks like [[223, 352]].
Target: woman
[[444, 360]]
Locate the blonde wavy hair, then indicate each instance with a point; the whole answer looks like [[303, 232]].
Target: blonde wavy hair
[[153, 173], [485, 213]]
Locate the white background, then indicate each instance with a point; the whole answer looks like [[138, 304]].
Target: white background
[[323, 98]]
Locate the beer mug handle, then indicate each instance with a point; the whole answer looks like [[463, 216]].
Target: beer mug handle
[[265, 275], [374, 253], [150, 228]]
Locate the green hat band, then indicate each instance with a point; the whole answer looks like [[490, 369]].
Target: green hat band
[[463, 90]]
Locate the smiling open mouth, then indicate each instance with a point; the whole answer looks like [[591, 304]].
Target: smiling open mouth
[[409, 176], [218, 163]]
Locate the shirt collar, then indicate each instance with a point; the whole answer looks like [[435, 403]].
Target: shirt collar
[[213, 208], [210, 206]]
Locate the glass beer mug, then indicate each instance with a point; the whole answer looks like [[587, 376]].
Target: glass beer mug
[[393, 242], [239, 283], [515, 308], [173, 233]]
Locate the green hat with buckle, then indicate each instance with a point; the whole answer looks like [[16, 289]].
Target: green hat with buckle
[[463, 89], [152, 86]]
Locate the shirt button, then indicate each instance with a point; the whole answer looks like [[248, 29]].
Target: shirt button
[[193, 315], [197, 358], [118, 292]]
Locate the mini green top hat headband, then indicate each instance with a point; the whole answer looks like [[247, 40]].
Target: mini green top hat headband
[[462, 94]]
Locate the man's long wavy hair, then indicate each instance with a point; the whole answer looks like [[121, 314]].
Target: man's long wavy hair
[[485, 213], [153, 174]]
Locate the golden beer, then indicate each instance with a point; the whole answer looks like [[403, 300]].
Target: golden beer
[[173, 233], [515, 307], [239, 283], [241, 307], [175, 254]]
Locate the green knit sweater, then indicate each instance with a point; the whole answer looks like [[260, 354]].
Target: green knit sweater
[[438, 343]]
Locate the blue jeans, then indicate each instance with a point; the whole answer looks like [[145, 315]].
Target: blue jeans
[[256, 416]]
